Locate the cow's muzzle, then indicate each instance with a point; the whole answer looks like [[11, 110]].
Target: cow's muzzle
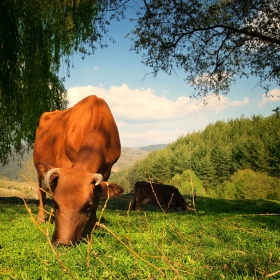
[[58, 244]]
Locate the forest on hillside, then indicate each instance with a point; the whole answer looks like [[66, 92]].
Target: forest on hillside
[[237, 158]]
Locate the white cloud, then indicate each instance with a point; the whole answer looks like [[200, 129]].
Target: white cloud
[[217, 105], [121, 124], [143, 118], [143, 105], [150, 137], [272, 96]]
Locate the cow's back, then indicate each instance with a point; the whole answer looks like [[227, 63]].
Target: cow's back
[[146, 192], [166, 194], [155, 194], [91, 128]]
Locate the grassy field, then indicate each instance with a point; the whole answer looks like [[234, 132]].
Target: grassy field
[[222, 239]]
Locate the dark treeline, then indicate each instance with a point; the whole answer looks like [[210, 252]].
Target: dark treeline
[[214, 156]]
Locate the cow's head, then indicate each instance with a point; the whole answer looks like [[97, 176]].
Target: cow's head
[[184, 206], [76, 194], [181, 203]]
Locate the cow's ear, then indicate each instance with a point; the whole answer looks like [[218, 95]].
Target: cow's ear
[[53, 182], [111, 189], [42, 168]]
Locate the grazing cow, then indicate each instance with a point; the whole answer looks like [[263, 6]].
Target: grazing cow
[[156, 194], [74, 152]]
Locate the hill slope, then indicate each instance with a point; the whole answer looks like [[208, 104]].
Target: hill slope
[[153, 147], [128, 157], [13, 170]]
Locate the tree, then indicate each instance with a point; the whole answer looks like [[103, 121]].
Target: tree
[[206, 172], [180, 158], [159, 165], [247, 184], [221, 160], [272, 142], [186, 182], [212, 41], [36, 37]]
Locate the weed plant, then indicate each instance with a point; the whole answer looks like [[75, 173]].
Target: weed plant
[[219, 239]]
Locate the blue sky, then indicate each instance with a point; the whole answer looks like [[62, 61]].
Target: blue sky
[[154, 110]]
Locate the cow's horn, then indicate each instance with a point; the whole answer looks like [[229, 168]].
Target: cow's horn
[[98, 177], [48, 176]]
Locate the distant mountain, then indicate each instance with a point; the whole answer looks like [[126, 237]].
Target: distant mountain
[[131, 155], [13, 169], [128, 157], [153, 147]]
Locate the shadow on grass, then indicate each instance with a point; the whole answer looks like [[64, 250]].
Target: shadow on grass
[[258, 211], [204, 205], [244, 206]]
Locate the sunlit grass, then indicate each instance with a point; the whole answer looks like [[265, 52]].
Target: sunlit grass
[[225, 240]]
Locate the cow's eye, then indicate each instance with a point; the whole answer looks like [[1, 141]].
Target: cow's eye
[[86, 208], [55, 205]]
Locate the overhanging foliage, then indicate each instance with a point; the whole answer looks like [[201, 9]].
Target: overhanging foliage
[[212, 41], [36, 37]]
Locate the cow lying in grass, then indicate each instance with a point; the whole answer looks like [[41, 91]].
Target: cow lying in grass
[[158, 194]]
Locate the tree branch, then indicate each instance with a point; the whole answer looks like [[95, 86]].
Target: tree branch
[[243, 31], [253, 34]]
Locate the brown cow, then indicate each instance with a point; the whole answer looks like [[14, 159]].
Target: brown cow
[[73, 153], [156, 194]]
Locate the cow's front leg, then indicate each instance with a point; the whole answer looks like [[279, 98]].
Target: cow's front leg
[[92, 218], [42, 200]]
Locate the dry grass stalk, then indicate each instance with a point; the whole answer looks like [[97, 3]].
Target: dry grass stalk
[[156, 197], [46, 233]]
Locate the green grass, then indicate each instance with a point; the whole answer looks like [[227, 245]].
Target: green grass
[[222, 240]]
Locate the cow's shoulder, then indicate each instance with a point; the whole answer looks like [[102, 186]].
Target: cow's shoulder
[[48, 118]]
